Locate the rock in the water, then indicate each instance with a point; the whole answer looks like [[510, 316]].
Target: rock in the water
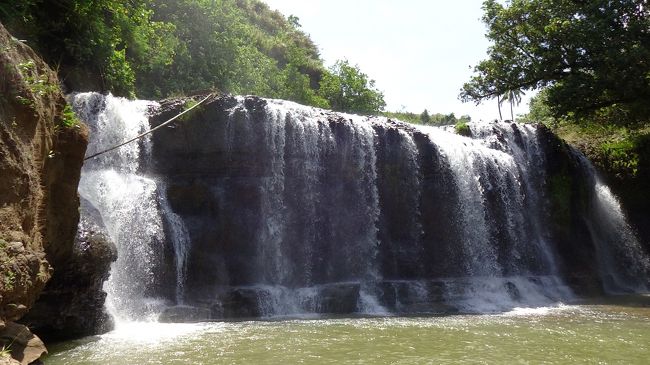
[[338, 298], [25, 347]]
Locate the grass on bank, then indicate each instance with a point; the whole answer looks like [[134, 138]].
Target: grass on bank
[[620, 150]]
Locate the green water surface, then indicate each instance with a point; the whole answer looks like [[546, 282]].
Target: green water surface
[[589, 334]]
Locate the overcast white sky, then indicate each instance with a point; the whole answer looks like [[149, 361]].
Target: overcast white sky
[[419, 52]]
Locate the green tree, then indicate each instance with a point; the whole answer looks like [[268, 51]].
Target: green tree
[[159, 48], [514, 98], [592, 56], [99, 45], [539, 111], [425, 118], [465, 119], [294, 21], [348, 89], [499, 102]]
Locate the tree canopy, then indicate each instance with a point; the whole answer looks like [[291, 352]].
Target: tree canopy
[[593, 57], [424, 118], [348, 89], [160, 48]]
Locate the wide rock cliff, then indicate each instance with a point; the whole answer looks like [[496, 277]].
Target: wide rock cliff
[[249, 207], [41, 154], [281, 209]]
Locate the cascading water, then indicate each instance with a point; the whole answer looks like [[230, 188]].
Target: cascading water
[[624, 266], [507, 263], [469, 162], [267, 208], [295, 145], [523, 145], [179, 236], [128, 202]]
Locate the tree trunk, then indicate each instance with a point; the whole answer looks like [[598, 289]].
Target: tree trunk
[[499, 105], [512, 116]]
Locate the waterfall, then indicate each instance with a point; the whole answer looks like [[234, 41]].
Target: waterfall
[[624, 266], [179, 236], [293, 146], [499, 219], [266, 208], [128, 202], [470, 162]]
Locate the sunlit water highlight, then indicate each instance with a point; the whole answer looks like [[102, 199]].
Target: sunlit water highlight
[[554, 335]]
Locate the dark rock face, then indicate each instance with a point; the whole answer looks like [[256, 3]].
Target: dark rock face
[[568, 204], [72, 304], [223, 193], [628, 179], [633, 191], [417, 245], [297, 210]]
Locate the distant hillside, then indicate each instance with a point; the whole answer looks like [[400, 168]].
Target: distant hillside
[[160, 48]]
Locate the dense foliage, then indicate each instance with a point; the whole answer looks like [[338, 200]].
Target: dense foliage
[[590, 56], [620, 150], [436, 119], [349, 89], [86, 40], [159, 48]]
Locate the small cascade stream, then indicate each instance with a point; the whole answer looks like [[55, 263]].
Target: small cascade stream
[[180, 239], [266, 208], [622, 260]]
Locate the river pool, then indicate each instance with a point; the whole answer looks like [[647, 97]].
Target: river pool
[[605, 333]]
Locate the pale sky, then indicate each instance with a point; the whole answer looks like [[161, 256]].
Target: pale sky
[[419, 52]]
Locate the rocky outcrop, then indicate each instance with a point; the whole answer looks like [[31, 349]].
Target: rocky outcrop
[[25, 347], [72, 304], [632, 189], [627, 171], [30, 105], [628, 176], [568, 195], [41, 154]]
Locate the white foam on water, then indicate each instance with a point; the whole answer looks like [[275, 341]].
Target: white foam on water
[[369, 305], [537, 311], [152, 332]]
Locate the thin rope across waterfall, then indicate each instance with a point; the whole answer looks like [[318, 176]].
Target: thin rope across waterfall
[[149, 131]]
